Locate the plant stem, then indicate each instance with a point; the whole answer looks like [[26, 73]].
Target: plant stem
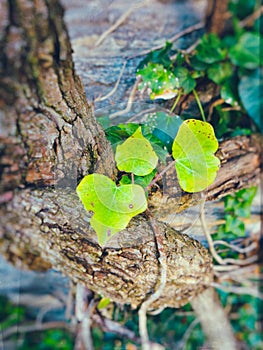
[[199, 105], [158, 176], [132, 178], [176, 101]]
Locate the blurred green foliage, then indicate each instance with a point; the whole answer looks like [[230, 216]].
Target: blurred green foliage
[[232, 62], [236, 207]]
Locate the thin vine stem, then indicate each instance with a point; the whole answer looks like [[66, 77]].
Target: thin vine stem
[[212, 249], [199, 105], [176, 101], [158, 176]]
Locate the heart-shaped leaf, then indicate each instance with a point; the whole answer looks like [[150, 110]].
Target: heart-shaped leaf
[[193, 150], [186, 82], [210, 49], [136, 155], [113, 206]]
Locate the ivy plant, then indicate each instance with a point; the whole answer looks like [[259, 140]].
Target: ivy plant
[[142, 160], [236, 207], [232, 63], [115, 204]]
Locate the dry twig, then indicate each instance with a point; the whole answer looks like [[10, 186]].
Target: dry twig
[[98, 99], [129, 103], [248, 249], [177, 36], [214, 253], [27, 328], [187, 334], [83, 314], [239, 290], [249, 21], [111, 326], [119, 22]]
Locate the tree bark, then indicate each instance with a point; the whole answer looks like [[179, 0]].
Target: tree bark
[[49, 133], [217, 15], [50, 140]]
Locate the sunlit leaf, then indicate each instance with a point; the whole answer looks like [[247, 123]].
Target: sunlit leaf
[[193, 150], [136, 155], [104, 302], [158, 81], [113, 206]]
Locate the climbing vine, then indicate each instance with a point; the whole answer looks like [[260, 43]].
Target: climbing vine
[[232, 64], [115, 204]]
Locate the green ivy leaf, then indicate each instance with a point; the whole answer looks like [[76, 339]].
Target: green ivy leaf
[[234, 225], [158, 56], [193, 150], [246, 53], [143, 181], [186, 82], [242, 8], [164, 127], [197, 64], [209, 50], [113, 206], [159, 81], [136, 155], [249, 89], [220, 72], [229, 92]]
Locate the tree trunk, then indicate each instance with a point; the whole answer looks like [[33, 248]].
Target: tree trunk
[[219, 335], [48, 134], [50, 140], [217, 15]]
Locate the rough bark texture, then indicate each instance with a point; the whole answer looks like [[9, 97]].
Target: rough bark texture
[[51, 225], [49, 140], [48, 131], [216, 16], [49, 137], [240, 168]]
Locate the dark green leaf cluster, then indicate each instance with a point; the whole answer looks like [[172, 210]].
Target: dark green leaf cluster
[[248, 317], [15, 316], [233, 63], [236, 207]]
